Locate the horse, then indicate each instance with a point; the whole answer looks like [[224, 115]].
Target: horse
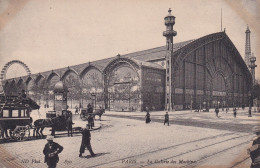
[[99, 112], [40, 124]]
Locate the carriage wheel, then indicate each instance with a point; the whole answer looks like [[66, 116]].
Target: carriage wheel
[[83, 117], [22, 133]]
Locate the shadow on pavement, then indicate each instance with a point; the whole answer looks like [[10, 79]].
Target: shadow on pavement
[[96, 155]]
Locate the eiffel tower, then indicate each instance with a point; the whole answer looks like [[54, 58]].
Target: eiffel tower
[[247, 47]]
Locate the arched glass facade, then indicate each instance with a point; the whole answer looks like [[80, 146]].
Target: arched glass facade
[[71, 80], [92, 89], [207, 72], [210, 75], [123, 89]]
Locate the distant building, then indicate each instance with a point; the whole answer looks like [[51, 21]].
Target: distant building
[[204, 72]]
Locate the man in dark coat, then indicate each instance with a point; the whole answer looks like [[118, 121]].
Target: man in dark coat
[[89, 108], [86, 136], [51, 151], [90, 121], [166, 118], [23, 95], [235, 112], [217, 111], [3, 129], [69, 126]]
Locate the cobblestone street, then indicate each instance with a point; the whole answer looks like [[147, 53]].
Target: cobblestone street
[[124, 140]]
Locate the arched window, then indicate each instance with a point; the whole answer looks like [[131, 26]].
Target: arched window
[[123, 89], [92, 89]]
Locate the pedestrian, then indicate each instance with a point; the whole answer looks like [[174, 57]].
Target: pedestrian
[[147, 116], [69, 126], [249, 112], [53, 129], [77, 110], [89, 108], [86, 136], [235, 112], [217, 111], [226, 109], [90, 121], [51, 151], [166, 118]]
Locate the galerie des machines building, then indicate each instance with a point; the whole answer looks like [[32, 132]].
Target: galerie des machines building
[[205, 72]]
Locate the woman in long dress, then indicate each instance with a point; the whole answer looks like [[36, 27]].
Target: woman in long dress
[[147, 116]]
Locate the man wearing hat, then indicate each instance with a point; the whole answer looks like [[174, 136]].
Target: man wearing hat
[[89, 108], [69, 126], [166, 118], [254, 150], [86, 136], [51, 151]]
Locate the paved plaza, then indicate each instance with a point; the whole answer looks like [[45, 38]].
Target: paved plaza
[[124, 140]]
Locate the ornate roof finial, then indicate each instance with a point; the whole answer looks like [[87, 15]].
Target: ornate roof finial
[[169, 10]]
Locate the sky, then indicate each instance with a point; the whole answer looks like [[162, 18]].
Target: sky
[[51, 34]]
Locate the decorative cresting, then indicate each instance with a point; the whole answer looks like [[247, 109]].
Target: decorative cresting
[[111, 66], [8, 64]]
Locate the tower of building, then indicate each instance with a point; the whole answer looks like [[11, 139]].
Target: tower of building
[[247, 47], [169, 33], [252, 67]]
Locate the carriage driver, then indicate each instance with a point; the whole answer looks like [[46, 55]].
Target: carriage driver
[[23, 95]]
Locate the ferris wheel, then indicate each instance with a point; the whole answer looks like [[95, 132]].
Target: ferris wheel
[[10, 63]]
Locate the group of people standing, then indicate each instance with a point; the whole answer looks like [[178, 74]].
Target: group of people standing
[[234, 111], [148, 117], [90, 120]]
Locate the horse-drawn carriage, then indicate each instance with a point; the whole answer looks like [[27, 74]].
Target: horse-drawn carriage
[[86, 113], [15, 116], [56, 123]]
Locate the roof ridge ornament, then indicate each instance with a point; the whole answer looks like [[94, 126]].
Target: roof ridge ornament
[[170, 10]]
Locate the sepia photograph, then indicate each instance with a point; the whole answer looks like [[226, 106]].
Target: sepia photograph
[[129, 84]]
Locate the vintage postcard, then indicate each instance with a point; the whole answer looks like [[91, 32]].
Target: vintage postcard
[[129, 83]]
